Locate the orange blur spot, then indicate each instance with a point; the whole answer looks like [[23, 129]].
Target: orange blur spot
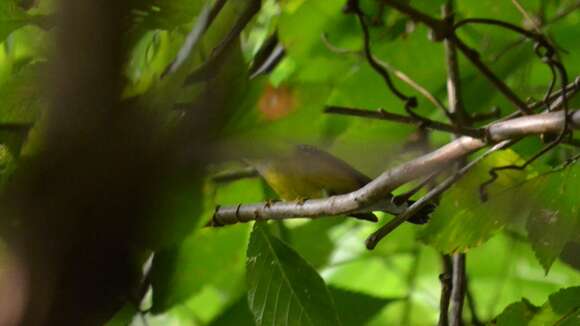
[[276, 102]]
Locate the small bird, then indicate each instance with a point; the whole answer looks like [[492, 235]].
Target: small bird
[[307, 172]]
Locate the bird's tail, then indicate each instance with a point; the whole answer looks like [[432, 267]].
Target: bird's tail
[[423, 215], [365, 216]]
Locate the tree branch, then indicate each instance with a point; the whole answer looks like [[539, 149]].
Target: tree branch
[[353, 6], [438, 26], [381, 114], [381, 186], [396, 72], [445, 279], [455, 309], [458, 290], [228, 176], [382, 232]]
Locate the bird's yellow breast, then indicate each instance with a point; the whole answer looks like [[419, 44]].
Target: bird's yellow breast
[[309, 173]]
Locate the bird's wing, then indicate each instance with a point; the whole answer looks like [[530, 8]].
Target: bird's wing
[[320, 161]]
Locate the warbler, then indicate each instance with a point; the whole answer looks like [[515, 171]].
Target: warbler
[[306, 172]]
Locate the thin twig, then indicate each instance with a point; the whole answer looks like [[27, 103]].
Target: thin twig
[[404, 197], [445, 279], [473, 56], [438, 26], [527, 16], [396, 72], [543, 47], [460, 117], [458, 290], [565, 12], [455, 309], [443, 30], [353, 6], [565, 130], [475, 321], [229, 176], [335, 49], [559, 15], [488, 21], [555, 101], [494, 113], [413, 84], [389, 116]]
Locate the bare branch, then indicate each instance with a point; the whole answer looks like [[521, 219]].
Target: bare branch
[[460, 117], [565, 11], [527, 16], [396, 72], [473, 56], [458, 290], [229, 176], [374, 238], [384, 115], [445, 279], [381, 186], [438, 26], [455, 308], [353, 6]]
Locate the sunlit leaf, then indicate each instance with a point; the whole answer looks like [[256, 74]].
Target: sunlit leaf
[[312, 241], [12, 17], [282, 288], [363, 305], [22, 96], [519, 313], [563, 308], [237, 314], [555, 213], [462, 221]]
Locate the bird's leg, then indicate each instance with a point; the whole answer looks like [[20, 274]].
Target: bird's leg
[[269, 202], [301, 200]]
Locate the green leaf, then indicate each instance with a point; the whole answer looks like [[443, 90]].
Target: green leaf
[[356, 308], [519, 313], [562, 309], [346, 301], [21, 96], [571, 254], [7, 164], [312, 241], [237, 314], [12, 17], [180, 272], [166, 14], [462, 221], [555, 213], [282, 288]]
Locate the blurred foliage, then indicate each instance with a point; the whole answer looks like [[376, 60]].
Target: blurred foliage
[[318, 272]]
